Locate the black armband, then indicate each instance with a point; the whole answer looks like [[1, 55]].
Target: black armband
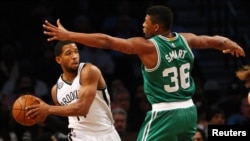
[[57, 124]]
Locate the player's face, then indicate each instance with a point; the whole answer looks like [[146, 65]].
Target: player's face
[[70, 57], [148, 27]]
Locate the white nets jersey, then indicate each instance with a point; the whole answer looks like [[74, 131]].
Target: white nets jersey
[[99, 117]]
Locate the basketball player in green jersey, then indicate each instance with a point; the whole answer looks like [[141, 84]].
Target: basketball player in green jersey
[[167, 64]]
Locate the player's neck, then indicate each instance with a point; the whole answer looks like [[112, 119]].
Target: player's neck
[[68, 77], [167, 34]]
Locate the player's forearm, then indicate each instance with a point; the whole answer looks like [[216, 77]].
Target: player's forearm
[[222, 43], [95, 40], [67, 110], [215, 42]]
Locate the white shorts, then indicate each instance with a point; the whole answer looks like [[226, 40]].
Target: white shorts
[[79, 135]]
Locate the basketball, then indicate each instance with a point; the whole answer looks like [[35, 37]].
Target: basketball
[[19, 112]]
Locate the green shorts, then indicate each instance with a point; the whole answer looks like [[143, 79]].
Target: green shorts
[[169, 125]]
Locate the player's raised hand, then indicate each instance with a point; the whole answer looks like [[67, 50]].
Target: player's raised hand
[[55, 32], [235, 51]]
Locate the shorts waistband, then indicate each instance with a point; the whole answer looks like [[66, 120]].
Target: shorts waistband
[[172, 105], [91, 132]]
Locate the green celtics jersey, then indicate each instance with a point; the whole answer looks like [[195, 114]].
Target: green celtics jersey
[[170, 80]]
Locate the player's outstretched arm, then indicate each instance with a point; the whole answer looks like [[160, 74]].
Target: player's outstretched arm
[[135, 45], [222, 43]]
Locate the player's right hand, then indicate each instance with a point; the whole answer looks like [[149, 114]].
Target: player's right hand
[[55, 32]]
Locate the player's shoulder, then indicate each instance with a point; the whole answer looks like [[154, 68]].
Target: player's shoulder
[[188, 35], [90, 66], [90, 69]]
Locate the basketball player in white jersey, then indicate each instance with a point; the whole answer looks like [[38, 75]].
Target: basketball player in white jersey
[[80, 94]]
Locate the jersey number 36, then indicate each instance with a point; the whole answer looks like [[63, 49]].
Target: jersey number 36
[[180, 75]]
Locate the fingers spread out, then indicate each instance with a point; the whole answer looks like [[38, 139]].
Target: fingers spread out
[[28, 108], [234, 53], [226, 51], [56, 32], [32, 114], [51, 39], [47, 23], [58, 22], [48, 33], [49, 27]]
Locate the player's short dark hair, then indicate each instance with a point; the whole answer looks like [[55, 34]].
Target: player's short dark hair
[[161, 15], [59, 45]]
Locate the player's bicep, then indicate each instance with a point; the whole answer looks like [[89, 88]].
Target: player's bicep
[[129, 46], [191, 39], [89, 80], [199, 42]]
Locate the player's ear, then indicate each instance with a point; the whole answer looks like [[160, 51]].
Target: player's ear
[[156, 27], [58, 59]]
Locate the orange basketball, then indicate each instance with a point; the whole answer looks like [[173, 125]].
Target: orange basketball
[[19, 112]]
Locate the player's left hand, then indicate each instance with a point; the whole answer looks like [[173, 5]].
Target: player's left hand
[[237, 51]]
